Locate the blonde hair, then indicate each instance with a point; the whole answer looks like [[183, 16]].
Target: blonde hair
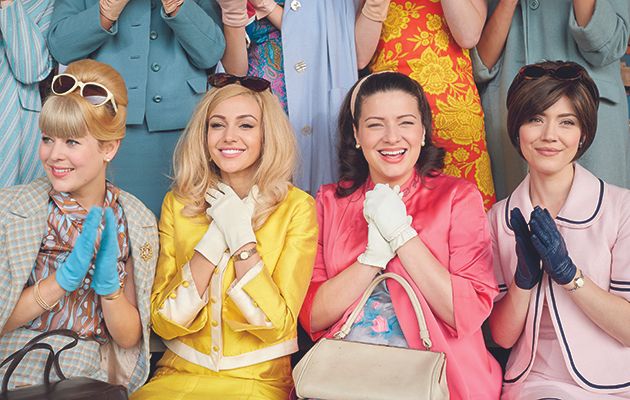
[[194, 171], [71, 116]]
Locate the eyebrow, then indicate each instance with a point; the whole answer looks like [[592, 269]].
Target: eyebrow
[[398, 117], [237, 117]]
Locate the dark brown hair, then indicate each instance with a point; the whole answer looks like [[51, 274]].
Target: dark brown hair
[[528, 97], [353, 167]]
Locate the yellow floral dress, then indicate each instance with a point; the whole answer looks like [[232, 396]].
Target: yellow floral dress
[[416, 41]]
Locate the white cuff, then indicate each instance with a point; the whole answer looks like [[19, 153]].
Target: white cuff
[[403, 237], [186, 304], [252, 313]]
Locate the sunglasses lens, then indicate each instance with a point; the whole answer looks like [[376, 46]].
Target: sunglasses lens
[[219, 80], [255, 84], [63, 84], [533, 72], [567, 72], [95, 94]]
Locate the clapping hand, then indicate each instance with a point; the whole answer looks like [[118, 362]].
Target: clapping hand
[[71, 273], [232, 215], [551, 247], [528, 271], [106, 280], [385, 208], [233, 12]]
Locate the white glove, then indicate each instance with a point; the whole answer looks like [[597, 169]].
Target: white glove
[[378, 252], [385, 208], [376, 10], [232, 216], [233, 12], [212, 245]]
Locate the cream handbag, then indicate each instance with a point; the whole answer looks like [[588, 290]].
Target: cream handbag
[[338, 370]]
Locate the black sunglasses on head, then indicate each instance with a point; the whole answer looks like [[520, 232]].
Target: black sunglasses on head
[[567, 72], [250, 82]]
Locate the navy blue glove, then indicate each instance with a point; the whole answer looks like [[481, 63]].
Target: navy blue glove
[[106, 280], [528, 271], [70, 274], [550, 245]]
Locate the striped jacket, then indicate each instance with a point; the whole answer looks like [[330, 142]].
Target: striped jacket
[[24, 61], [22, 227]]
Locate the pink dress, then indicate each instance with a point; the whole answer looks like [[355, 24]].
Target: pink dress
[[449, 218]]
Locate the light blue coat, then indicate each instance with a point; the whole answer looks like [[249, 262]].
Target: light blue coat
[[24, 61], [319, 68], [164, 60], [546, 29]]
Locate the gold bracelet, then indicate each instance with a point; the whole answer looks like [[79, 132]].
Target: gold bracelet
[[40, 301], [114, 295]]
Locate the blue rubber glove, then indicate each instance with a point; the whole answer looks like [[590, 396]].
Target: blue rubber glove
[[106, 280], [550, 245], [528, 271], [70, 274]]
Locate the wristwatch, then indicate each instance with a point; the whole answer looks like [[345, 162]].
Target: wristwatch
[[578, 282], [245, 254]]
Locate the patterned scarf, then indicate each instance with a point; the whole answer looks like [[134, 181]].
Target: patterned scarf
[[80, 310]]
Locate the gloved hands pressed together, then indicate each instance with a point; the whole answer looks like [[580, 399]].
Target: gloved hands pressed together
[[106, 280], [528, 270]]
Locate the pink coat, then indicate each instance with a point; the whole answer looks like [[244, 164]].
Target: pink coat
[[595, 224], [449, 218]]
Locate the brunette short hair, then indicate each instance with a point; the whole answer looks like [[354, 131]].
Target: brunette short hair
[[529, 96]]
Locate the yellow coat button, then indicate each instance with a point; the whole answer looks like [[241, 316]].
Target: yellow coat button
[[185, 284], [214, 323], [173, 296], [215, 349], [213, 299]]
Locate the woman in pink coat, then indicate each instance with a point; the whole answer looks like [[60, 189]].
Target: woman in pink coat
[[393, 210], [564, 277]]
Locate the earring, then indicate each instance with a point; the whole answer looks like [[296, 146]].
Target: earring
[[423, 143], [357, 146], [580, 144], [108, 160]]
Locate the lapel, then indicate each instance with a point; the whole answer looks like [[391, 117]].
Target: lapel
[[28, 213]]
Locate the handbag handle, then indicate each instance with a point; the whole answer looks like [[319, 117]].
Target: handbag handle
[[422, 324], [34, 344]]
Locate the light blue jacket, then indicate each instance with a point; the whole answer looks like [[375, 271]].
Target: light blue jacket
[[547, 30], [164, 60], [319, 68]]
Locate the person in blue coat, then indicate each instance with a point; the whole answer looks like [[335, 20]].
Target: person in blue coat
[[164, 51], [589, 32], [24, 62]]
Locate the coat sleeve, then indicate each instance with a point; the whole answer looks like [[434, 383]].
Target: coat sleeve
[[76, 31], [171, 281], [620, 271], [605, 38], [280, 294], [24, 33], [197, 28], [493, 218], [470, 266]]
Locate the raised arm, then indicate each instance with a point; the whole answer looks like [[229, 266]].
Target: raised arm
[[367, 31], [465, 20], [495, 33]]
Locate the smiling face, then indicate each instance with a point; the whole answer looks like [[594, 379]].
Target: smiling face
[[390, 133], [77, 166], [549, 141], [235, 137]]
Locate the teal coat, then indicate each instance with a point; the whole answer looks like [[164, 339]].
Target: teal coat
[[546, 29], [164, 60]]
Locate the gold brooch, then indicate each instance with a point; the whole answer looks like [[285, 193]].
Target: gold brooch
[[146, 252]]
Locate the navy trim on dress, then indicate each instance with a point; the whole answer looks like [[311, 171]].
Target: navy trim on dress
[[568, 349], [599, 205]]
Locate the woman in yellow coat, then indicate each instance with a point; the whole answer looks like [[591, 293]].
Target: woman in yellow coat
[[238, 242]]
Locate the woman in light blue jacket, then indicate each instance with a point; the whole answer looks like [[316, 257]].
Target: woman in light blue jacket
[[24, 61], [591, 33], [164, 51]]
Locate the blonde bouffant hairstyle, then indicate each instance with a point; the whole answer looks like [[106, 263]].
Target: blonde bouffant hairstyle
[[71, 116], [194, 171]]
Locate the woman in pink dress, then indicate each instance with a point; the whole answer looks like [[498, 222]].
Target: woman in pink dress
[[564, 277], [394, 211]]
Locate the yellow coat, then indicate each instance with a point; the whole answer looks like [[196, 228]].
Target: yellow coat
[[240, 360]]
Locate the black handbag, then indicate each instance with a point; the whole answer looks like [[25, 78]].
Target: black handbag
[[67, 388]]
